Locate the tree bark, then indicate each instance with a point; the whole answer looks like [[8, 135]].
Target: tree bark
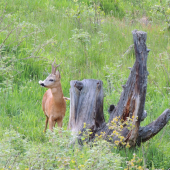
[[132, 100], [86, 104], [147, 132]]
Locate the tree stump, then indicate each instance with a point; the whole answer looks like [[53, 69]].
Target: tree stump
[[86, 104]]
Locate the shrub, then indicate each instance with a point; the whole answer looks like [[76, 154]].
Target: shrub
[[113, 7], [58, 153]]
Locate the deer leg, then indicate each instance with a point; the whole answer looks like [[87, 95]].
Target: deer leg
[[60, 123], [46, 122], [55, 123], [51, 123]]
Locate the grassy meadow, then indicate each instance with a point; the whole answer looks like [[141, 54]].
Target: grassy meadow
[[90, 38]]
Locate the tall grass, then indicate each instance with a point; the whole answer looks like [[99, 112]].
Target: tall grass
[[90, 45]]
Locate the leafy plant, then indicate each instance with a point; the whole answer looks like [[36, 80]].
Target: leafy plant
[[81, 37], [84, 15], [113, 7], [134, 163], [58, 153], [42, 31], [163, 9]]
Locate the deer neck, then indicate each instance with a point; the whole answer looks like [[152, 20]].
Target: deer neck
[[57, 92]]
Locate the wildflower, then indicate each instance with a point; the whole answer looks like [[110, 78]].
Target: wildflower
[[117, 133], [84, 125], [121, 126], [121, 137], [116, 142], [140, 168], [72, 161], [114, 132], [123, 143], [127, 145], [100, 136], [132, 163]]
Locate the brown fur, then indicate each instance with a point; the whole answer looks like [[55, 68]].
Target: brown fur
[[53, 103]]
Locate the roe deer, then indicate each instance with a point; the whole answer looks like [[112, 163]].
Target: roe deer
[[53, 103]]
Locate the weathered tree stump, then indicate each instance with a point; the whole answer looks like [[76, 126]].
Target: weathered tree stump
[[86, 104]]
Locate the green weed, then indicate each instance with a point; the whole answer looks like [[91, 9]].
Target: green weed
[[90, 44]]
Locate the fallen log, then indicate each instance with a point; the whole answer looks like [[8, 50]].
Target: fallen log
[[86, 106]]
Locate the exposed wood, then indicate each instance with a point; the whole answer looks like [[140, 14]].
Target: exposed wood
[[128, 51], [86, 104], [147, 132], [132, 100]]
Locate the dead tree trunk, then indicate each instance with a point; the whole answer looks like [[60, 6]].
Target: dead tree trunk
[[86, 104]]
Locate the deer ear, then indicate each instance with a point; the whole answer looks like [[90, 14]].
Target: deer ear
[[58, 74]]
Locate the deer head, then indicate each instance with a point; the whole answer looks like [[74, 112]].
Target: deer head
[[52, 80]]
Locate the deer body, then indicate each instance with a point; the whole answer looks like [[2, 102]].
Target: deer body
[[53, 103]]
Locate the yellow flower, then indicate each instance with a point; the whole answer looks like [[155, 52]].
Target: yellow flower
[[72, 161], [116, 142], [140, 168], [123, 143], [84, 125], [127, 145], [121, 126], [114, 132], [132, 163], [121, 137], [117, 133]]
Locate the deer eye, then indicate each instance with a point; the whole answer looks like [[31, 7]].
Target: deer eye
[[51, 80]]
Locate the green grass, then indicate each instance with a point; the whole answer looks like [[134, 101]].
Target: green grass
[[47, 31]]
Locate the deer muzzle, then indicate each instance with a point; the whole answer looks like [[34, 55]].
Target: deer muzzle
[[41, 83]]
